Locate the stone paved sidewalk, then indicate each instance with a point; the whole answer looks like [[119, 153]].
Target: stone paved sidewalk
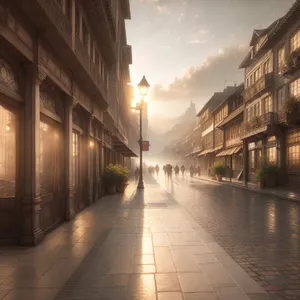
[[282, 193], [141, 245]]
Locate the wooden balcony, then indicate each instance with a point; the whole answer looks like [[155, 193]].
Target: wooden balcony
[[292, 64], [260, 86], [285, 118], [259, 125], [58, 18]]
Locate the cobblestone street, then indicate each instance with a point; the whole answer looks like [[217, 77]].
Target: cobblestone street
[[142, 245], [260, 232]]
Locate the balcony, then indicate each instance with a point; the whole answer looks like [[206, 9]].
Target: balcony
[[258, 87], [259, 125], [289, 118], [292, 64], [58, 18]]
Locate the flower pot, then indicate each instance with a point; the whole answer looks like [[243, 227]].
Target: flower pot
[[270, 181], [121, 188], [111, 189], [219, 177]]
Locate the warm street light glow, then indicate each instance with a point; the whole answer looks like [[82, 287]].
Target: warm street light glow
[[143, 86], [8, 127], [92, 144]]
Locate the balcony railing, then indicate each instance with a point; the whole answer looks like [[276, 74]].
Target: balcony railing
[[58, 18], [258, 124], [292, 63], [257, 87], [88, 64]]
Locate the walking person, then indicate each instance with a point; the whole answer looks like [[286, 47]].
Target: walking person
[[182, 168], [176, 170], [191, 171], [137, 173], [165, 169], [157, 170]]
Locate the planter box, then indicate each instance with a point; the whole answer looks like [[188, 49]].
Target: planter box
[[219, 177], [121, 188], [111, 190]]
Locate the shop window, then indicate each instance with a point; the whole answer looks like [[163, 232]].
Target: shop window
[[295, 41], [75, 159], [271, 155], [49, 160], [259, 159], [7, 153], [295, 88], [293, 156]]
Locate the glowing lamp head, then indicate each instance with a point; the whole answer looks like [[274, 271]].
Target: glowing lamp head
[[91, 144], [143, 86]]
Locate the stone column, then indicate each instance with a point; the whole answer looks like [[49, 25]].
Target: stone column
[[246, 161], [90, 166], [31, 232], [69, 188]]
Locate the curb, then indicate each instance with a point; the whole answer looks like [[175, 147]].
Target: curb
[[258, 191]]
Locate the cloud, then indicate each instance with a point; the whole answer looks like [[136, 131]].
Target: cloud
[[198, 83], [196, 42]]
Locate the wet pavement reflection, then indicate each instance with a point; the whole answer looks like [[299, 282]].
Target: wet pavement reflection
[[260, 232]]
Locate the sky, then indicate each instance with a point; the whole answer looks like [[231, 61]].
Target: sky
[[189, 49]]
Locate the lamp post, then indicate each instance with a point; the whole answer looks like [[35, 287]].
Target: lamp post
[[143, 89]]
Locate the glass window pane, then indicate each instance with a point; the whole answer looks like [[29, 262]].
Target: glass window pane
[[7, 153]]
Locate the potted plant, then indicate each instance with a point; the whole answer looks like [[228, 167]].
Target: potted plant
[[256, 122], [122, 178], [219, 170], [268, 175], [110, 179], [211, 172]]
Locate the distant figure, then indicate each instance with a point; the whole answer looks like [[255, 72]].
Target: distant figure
[[137, 173], [191, 171], [169, 170], [165, 169], [176, 170], [182, 168], [199, 171], [157, 170]]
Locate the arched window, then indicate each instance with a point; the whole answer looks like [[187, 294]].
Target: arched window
[[47, 98], [7, 76]]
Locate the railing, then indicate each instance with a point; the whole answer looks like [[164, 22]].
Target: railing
[[289, 118], [110, 17], [88, 64], [58, 18], [292, 63], [258, 124], [257, 87]]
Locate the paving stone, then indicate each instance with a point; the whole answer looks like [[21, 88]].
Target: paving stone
[[164, 261], [194, 282], [167, 282], [170, 296], [201, 296], [230, 293]]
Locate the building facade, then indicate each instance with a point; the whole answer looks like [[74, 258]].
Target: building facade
[[260, 120], [64, 109], [271, 130]]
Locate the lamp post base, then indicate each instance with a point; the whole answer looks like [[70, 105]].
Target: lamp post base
[[141, 184]]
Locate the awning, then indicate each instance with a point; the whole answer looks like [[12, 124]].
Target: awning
[[238, 149], [205, 152], [217, 148], [230, 151], [122, 148]]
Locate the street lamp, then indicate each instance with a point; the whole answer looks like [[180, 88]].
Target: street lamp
[[143, 89]]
